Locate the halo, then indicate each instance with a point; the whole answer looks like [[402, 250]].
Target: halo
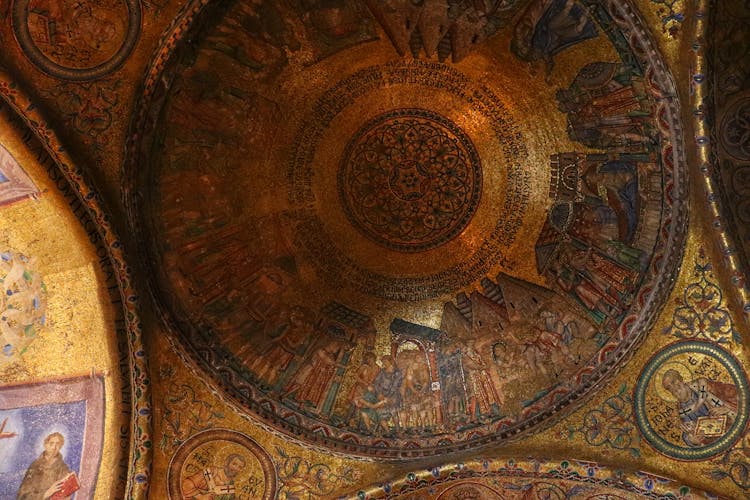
[[680, 368], [407, 346]]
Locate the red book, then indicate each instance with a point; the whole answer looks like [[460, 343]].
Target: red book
[[69, 486]]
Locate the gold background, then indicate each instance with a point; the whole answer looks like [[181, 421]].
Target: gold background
[[80, 333]]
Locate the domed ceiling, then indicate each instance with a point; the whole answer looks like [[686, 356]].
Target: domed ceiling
[[417, 243]]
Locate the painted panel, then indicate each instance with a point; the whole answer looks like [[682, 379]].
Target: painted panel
[[51, 434]]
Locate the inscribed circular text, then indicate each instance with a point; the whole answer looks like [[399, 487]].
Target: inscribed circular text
[[691, 400], [404, 223]]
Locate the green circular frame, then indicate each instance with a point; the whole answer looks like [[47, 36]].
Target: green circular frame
[[738, 377]]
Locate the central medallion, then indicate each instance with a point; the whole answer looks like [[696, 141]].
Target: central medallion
[[410, 180]]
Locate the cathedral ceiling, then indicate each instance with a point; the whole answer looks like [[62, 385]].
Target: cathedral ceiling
[[376, 239], [398, 254]]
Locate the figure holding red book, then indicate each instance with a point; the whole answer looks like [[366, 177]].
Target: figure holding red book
[[49, 477]]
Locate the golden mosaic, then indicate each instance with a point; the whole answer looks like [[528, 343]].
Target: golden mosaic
[[373, 241], [341, 241]]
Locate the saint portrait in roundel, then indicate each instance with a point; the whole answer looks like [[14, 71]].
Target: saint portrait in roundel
[[691, 400], [221, 464]]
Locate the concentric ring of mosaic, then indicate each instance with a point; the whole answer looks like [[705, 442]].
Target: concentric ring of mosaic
[[410, 180]]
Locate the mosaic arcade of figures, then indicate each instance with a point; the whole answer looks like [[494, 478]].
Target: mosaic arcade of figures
[[503, 348], [692, 397], [503, 344]]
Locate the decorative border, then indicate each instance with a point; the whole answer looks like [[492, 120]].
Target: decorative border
[[743, 392], [547, 410], [701, 94], [269, 470], [32, 52], [134, 358], [639, 483]]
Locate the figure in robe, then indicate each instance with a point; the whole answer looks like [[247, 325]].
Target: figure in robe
[[571, 274], [364, 380], [379, 407], [452, 384], [214, 483], [607, 108], [417, 405], [310, 385], [706, 408], [548, 27], [46, 475], [615, 184], [284, 348], [555, 336], [482, 393]]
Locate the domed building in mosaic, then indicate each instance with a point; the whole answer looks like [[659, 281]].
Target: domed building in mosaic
[[318, 249]]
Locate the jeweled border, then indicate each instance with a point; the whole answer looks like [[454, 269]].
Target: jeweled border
[[140, 429], [641, 483], [700, 95]]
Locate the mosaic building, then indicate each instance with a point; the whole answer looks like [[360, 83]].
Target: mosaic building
[[322, 249]]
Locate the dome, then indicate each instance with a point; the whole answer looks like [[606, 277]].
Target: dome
[[400, 233]]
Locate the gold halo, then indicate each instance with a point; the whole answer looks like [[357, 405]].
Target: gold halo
[[680, 368], [407, 346]]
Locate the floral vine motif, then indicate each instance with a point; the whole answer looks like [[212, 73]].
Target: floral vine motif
[[611, 424], [671, 17], [734, 465], [302, 480], [702, 313], [184, 414], [88, 108]]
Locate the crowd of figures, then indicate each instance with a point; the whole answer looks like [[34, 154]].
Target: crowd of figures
[[601, 230], [497, 349], [430, 380], [494, 351]]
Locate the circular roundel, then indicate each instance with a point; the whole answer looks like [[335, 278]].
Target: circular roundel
[[230, 461], [410, 180], [692, 400], [81, 40]]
